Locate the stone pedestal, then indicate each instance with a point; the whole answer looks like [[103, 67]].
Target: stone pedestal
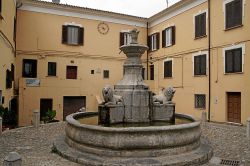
[[110, 114], [204, 116], [1, 125], [163, 112], [36, 118], [13, 159], [248, 128]]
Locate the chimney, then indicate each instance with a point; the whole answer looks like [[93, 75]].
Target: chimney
[[56, 1]]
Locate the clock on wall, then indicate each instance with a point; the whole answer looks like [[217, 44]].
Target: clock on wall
[[103, 28]]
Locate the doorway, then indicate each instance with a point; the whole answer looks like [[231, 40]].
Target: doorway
[[72, 104], [234, 107]]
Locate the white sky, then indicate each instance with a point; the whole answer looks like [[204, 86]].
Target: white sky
[[142, 8]]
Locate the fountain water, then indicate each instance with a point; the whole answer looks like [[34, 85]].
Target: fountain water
[[132, 126]]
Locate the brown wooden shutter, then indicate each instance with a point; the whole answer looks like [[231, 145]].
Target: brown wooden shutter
[[164, 38], [157, 40], [149, 43], [121, 38], [203, 64], [237, 60], [237, 12], [197, 27], [64, 34], [81, 36], [203, 24], [229, 61], [0, 9], [173, 35], [196, 65]]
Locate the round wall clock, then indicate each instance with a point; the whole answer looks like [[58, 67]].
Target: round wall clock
[[103, 28]]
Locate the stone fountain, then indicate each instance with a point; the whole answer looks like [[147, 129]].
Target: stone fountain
[[133, 126]]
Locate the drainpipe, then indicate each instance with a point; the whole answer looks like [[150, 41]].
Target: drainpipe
[[209, 60], [147, 51]]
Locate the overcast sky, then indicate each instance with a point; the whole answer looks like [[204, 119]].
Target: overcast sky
[[142, 8]]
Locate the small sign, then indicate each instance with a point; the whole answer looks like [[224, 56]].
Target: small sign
[[33, 82]]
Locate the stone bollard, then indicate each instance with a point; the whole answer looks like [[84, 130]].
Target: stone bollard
[[1, 125], [36, 118], [204, 116], [13, 159], [248, 128]]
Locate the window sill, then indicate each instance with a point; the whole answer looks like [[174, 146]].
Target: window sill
[[51, 76], [72, 44], [153, 50], [200, 75], [234, 27], [200, 37], [235, 73], [168, 77], [167, 46]]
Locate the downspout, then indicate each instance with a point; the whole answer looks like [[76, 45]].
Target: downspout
[[209, 60], [147, 51]]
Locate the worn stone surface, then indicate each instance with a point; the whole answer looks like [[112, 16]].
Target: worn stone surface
[[163, 111], [34, 145]]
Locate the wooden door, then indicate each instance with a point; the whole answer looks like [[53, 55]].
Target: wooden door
[[72, 104], [234, 107], [45, 104]]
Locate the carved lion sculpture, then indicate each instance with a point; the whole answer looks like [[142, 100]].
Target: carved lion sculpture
[[165, 96], [109, 97]]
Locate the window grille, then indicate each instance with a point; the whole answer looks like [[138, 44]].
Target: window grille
[[200, 101]]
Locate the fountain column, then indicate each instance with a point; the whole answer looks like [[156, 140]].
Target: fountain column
[[132, 87]]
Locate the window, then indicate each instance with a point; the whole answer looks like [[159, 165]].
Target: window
[[200, 25], [125, 38], [168, 36], [105, 73], [29, 68], [1, 95], [200, 64], [51, 68], [72, 35], [8, 79], [71, 72], [92, 72], [233, 60], [12, 72], [151, 69], [14, 29], [153, 41], [168, 68], [233, 14], [200, 101], [0, 8]]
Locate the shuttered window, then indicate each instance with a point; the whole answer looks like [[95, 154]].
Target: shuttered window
[[151, 69], [29, 68], [153, 42], [8, 79], [168, 36], [233, 60], [233, 14], [72, 35], [51, 68], [200, 62], [125, 38], [71, 72], [200, 25], [168, 68], [105, 73], [200, 101]]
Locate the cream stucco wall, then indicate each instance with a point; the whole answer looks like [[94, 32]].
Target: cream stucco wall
[[7, 46], [39, 37]]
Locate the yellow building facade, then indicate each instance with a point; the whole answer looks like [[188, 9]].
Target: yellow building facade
[[7, 51], [66, 54]]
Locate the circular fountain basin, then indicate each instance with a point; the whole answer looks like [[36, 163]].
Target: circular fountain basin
[[157, 144]]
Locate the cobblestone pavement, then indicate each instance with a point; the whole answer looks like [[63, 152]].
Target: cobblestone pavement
[[34, 145]]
